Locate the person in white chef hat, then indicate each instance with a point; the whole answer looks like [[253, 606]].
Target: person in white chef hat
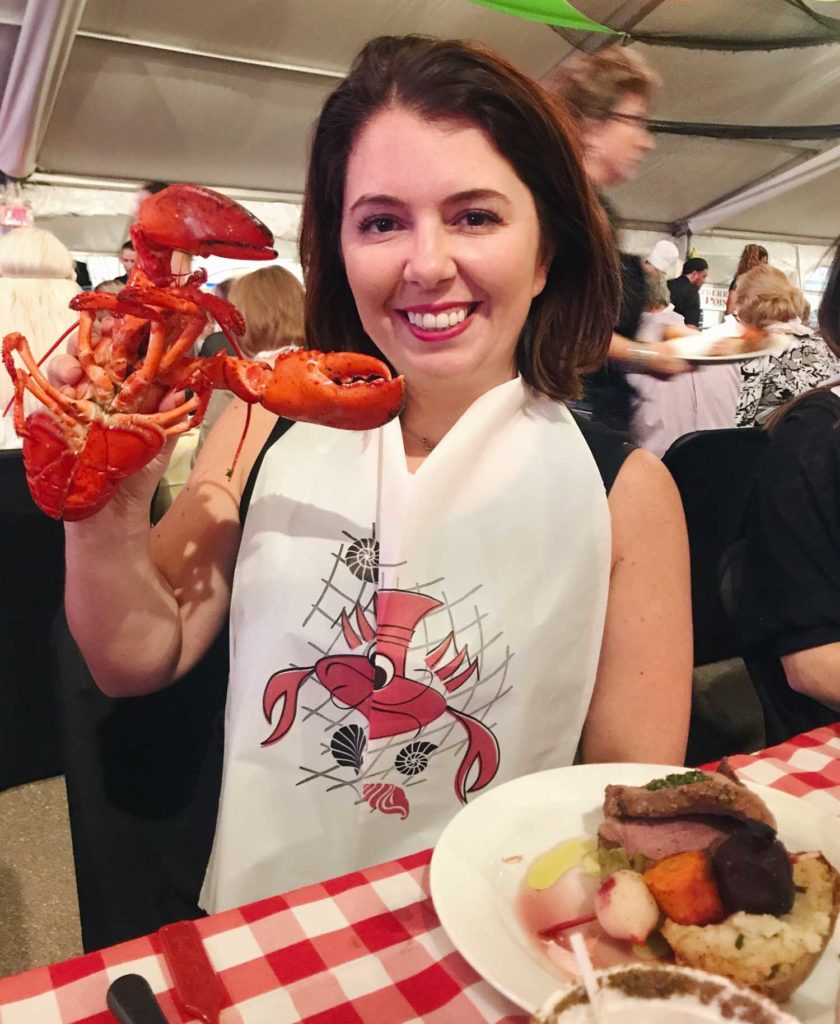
[[662, 257]]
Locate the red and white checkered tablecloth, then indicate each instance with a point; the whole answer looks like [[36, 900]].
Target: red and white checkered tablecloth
[[360, 949]]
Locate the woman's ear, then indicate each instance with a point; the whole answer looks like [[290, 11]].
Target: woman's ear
[[540, 275], [545, 257]]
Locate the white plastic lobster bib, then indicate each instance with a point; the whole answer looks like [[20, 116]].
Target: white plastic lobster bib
[[401, 642]]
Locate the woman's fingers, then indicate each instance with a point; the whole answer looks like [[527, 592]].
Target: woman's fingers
[[63, 371], [172, 400]]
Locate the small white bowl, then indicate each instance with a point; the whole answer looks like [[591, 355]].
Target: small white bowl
[[661, 994]]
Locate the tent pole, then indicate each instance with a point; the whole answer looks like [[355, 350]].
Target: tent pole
[[776, 185], [226, 58], [47, 32]]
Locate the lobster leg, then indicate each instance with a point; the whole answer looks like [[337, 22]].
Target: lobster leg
[[178, 420], [192, 302], [129, 333], [137, 384], [18, 417], [156, 361], [69, 409], [185, 342]]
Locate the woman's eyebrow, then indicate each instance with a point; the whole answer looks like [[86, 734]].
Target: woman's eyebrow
[[377, 199], [470, 195]]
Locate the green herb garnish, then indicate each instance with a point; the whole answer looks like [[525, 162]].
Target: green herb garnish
[[683, 779], [739, 942], [616, 858]]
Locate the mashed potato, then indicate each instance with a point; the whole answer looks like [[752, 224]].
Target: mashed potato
[[772, 955]]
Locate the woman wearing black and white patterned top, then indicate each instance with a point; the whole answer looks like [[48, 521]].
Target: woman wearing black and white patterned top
[[801, 360]]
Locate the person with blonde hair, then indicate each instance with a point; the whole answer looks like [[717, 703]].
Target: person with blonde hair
[[271, 300], [752, 255], [801, 361], [37, 282]]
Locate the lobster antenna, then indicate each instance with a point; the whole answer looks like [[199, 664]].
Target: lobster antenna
[[56, 343], [232, 339], [238, 451]]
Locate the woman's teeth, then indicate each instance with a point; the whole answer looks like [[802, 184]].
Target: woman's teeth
[[437, 321]]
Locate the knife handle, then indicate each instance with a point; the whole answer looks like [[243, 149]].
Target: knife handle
[[131, 1000], [197, 986]]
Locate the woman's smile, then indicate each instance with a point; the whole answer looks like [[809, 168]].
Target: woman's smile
[[439, 322]]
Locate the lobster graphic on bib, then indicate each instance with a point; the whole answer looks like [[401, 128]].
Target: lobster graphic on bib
[[373, 680]]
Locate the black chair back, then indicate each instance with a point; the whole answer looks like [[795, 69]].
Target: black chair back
[[714, 471], [31, 587]]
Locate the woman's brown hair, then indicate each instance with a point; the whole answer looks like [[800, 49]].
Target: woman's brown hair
[[271, 300], [569, 325], [751, 256]]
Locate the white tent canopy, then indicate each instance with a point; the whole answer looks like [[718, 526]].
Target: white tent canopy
[[99, 95]]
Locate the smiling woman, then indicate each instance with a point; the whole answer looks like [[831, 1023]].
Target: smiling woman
[[473, 592], [443, 275]]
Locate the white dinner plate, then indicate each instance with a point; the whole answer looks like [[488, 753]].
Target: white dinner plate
[[475, 876], [696, 347], [695, 350]]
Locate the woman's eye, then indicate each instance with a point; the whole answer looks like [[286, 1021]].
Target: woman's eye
[[378, 225], [479, 218]]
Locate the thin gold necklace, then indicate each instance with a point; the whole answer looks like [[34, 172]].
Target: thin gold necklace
[[427, 444]]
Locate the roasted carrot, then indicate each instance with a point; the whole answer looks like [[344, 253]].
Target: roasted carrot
[[685, 890]]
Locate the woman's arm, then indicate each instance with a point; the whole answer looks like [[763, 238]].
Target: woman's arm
[[642, 699], [144, 605], [815, 673], [638, 357], [730, 302]]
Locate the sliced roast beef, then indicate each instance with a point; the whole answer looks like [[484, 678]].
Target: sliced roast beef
[[726, 769], [715, 794], [656, 838]]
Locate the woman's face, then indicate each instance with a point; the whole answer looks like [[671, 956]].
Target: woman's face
[[441, 244], [617, 146]]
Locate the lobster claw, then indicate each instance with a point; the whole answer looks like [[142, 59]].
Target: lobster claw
[[202, 222], [335, 389]]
